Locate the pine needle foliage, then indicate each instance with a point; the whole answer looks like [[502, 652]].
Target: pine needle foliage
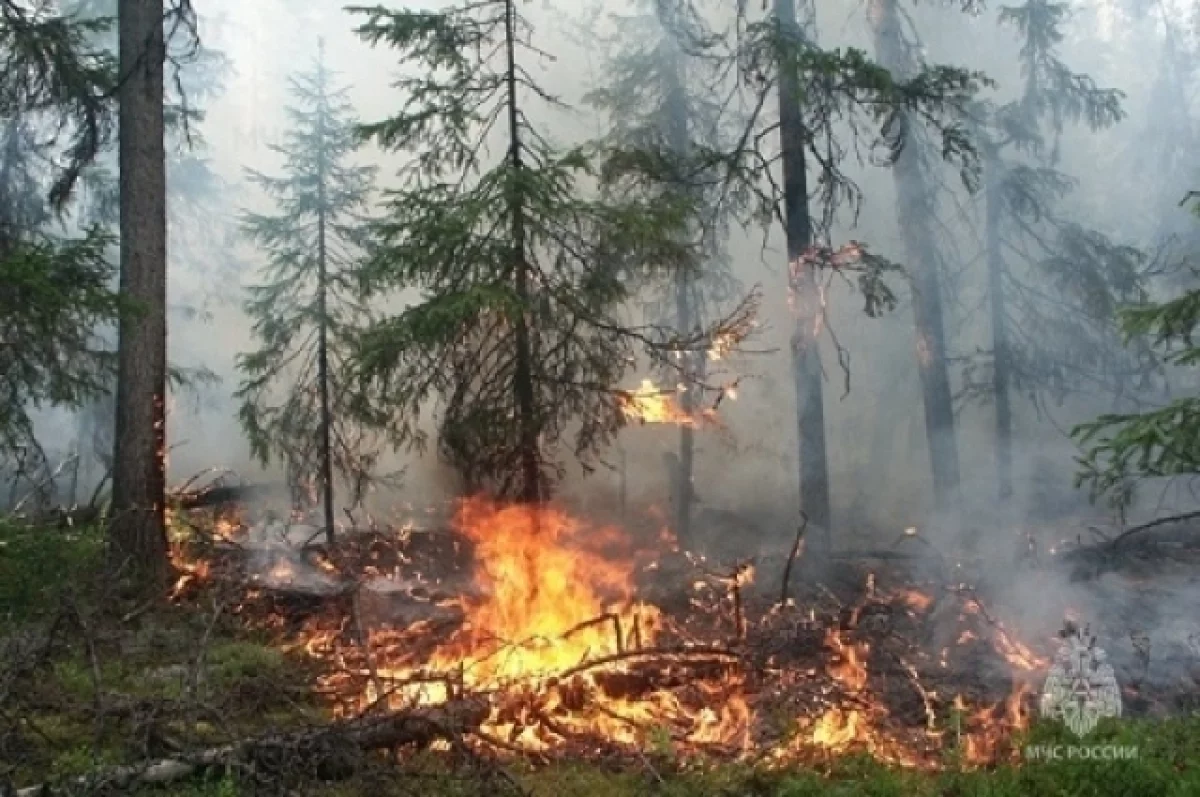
[[50, 68], [308, 299], [1057, 282], [520, 331], [1122, 449]]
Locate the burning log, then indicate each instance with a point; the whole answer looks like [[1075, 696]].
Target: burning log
[[322, 749]]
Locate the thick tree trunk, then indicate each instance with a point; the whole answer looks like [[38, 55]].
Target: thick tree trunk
[[914, 211], [1001, 364], [138, 544], [806, 295], [323, 311], [531, 490]]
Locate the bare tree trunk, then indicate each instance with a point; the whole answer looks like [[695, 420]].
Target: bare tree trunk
[[806, 362], [914, 211], [685, 315], [1001, 364], [531, 470], [137, 537], [323, 311]]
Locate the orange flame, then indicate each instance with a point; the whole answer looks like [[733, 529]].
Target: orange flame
[[544, 593], [850, 669], [650, 404]]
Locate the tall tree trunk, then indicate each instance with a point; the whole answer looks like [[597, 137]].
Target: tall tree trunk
[[685, 316], [806, 294], [531, 472], [914, 211], [138, 542], [1001, 364], [323, 311]]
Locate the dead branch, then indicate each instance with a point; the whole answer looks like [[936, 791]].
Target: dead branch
[[48, 481], [226, 494], [417, 728], [679, 653], [791, 560], [1163, 521]]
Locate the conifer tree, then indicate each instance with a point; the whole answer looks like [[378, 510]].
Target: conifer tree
[[52, 76], [520, 330], [1123, 449], [1053, 305], [897, 48], [831, 102], [295, 393], [56, 300], [137, 533], [659, 95]]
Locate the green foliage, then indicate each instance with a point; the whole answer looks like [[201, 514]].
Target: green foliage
[[849, 104], [663, 119], [238, 661], [56, 302], [1122, 449], [1060, 283], [1052, 90], [39, 565], [519, 331], [314, 243], [51, 72]]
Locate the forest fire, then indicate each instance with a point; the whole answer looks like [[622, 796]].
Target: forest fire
[[545, 607], [551, 625]]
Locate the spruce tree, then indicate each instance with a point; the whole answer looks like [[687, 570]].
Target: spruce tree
[[198, 226], [58, 118], [831, 102], [56, 301], [520, 330], [659, 98], [137, 533], [52, 76], [295, 393], [1053, 304], [897, 48], [1123, 449]]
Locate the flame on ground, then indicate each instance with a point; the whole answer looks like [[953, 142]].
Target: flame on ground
[[552, 633], [544, 594], [553, 612]]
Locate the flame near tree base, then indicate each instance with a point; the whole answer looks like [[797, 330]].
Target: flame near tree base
[[554, 636]]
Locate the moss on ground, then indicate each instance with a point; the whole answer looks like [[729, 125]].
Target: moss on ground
[[150, 674]]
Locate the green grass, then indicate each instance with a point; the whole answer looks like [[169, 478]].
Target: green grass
[[37, 565], [255, 689]]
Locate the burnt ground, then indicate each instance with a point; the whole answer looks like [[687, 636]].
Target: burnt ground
[[940, 646]]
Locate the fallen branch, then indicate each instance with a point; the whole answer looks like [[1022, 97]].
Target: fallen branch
[[418, 727], [1163, 521], [679, 654]]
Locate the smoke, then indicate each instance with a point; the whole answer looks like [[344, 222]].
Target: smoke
[[878, 459]]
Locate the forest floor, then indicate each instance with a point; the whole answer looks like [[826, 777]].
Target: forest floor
[[90, 682]]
